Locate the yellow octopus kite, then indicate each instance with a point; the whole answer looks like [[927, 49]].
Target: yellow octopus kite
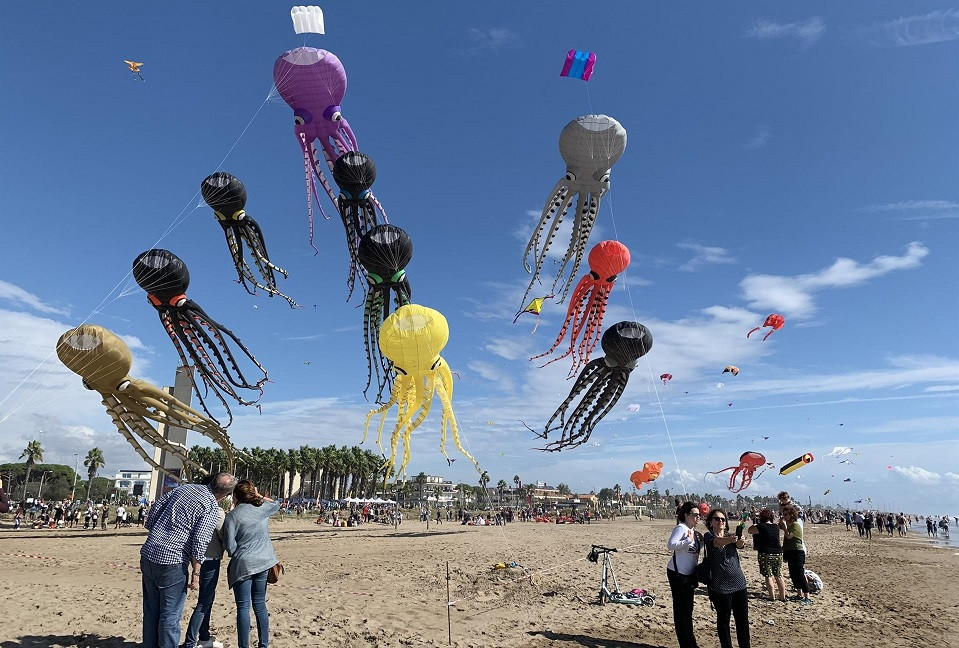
[[412, 339]]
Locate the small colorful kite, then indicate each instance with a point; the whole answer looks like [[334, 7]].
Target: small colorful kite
[[827, 492], [775, 322], [534, 308], [731, 369], [665, 377], [579, 65], [134, 67], [796, 463]]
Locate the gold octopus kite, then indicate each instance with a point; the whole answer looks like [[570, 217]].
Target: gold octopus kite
[[412, 339], [103, 360]]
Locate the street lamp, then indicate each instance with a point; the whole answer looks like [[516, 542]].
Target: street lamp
[[40, 491]]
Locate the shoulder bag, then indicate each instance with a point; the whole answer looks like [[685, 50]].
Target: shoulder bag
[[274, 574]]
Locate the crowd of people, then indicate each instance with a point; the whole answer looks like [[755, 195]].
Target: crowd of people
[[67, 514]]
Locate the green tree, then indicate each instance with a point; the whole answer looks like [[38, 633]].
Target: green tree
[[94, 462], [34, 453], [420, 480], [500, 487], [563, 489]]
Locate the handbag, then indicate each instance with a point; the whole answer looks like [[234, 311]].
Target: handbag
[[704, 570], [689, 580], [274, 574]]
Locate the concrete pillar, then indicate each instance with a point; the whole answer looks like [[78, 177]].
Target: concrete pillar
[[182, 390]]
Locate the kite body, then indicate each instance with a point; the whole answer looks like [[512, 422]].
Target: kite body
[[412, 339], [590, 146], [354, 173], [650, 472], [226, 195], [774, 322], [601, 382], [731, 369], [103, 360], [134, 66], [584, 315], [797, 463], [307, 20], [665, 377], [578, 65], [196, 336], [383, 252], [313, 82], [749, 463]]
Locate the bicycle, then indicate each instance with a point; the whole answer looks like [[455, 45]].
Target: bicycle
[[634, 597]]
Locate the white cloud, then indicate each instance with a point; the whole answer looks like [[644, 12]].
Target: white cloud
[[807, 32], [934, 27], [703, 255], [917, 209], [760, 137], [491, 39], [793, 296], [18, 296], [918, 475]]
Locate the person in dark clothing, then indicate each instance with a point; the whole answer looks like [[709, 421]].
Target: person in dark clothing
[[727, 587], [766, 538]]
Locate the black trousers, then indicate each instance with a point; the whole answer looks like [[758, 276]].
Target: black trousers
[[682, 609], [797, 569], [737, 604]]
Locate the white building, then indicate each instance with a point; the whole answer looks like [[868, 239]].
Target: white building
[[133, 482]]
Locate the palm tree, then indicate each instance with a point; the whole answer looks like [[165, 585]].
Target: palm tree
[[500, 487], [484, 480], [421, 480], [34, 453], [93, 462]]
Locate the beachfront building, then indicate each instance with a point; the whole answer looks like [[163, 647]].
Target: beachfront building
[[548, 497], [135, 483]]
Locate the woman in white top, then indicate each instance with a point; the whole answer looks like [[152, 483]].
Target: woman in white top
[[685, 543]]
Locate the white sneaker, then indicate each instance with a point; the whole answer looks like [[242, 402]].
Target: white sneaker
[[210, 643]]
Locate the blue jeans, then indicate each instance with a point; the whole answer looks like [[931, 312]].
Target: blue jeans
[[199, 627], [252, 589], [164, 593]]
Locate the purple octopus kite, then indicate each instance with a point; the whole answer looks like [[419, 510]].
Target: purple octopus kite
[[312, 81]]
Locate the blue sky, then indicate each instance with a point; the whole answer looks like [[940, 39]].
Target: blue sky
[[794, 159]]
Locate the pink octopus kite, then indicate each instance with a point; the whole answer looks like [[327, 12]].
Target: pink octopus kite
[[749, 462], [775, 321], [312, 81], [588, 303]]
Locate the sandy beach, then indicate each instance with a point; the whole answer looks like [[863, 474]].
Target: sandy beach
[[374, 586]]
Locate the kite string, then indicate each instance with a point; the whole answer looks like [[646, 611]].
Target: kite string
[[649, 370], [180, 218]]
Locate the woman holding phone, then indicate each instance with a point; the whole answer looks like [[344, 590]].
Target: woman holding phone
[[727, 587]]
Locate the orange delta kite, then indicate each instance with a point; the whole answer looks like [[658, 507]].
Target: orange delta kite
[[651, 470], [134, 67]]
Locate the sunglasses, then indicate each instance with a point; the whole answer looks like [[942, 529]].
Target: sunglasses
[[694, 514], [719, 519]]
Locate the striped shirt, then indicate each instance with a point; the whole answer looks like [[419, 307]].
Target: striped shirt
[[181, 524]]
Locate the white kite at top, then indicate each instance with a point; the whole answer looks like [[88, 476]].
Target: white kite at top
[[839, 451], [307, 20]]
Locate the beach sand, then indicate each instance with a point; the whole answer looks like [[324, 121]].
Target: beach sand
[[374, 586]]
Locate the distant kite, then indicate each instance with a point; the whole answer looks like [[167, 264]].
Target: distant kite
[[579, 65], [134, 67], [665, 377], [307, 20], [533, 308], [731, 369], [839, 451], [749, 463], [650, 472], [827, 492], [634, 407], [848, 479], [775, 322], [796, 463]]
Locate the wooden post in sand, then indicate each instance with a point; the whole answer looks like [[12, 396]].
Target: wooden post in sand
[[449, 622]]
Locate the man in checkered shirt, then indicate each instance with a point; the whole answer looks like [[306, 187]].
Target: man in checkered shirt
[[181, 525]]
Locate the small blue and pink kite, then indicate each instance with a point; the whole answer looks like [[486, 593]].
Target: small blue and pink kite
[[579, 65]]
